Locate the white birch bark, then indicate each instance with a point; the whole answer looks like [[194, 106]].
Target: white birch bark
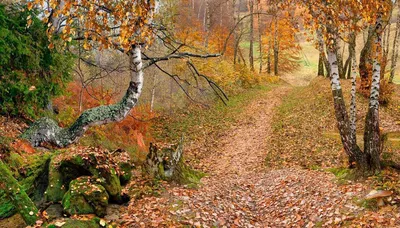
[[353, 103], [47, 130]]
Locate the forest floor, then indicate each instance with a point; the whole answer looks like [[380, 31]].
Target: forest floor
[[272, 158], [241, 191]]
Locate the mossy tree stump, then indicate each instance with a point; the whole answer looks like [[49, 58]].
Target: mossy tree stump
[[167, 163]]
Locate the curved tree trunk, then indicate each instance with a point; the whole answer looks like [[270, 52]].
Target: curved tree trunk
[[46, 130]]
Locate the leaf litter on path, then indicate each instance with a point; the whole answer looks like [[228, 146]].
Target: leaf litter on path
[[240, 191]]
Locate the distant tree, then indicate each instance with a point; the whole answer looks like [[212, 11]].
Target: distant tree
[[395, 47], [251, 35]]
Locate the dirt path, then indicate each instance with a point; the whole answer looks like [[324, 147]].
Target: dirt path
[[240, 192]]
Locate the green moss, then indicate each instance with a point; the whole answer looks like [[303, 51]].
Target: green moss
[[20, 199], [343, 174], [35, 177], [56, 187], [126, 174], [29, 173], [7, 208], [113, 186], [70, 223], [14, 162], [86, 195], [190, 177]]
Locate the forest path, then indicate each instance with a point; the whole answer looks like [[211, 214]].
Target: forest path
[[239, 190]]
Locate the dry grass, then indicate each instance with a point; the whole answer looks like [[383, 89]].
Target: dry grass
[[305, 122]]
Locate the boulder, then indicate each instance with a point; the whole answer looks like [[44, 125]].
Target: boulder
[[7, 208], [86, 195], [77, 162], [71, 223]]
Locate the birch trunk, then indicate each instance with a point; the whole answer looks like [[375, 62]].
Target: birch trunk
[[352, 53], [340, 107], [372, 142], [343, 123], [353, 103], [47, 131], [385, 50], [153, 93]]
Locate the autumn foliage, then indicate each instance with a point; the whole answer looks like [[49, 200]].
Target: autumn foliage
[[288, 46], [104, 24], [133, 131]]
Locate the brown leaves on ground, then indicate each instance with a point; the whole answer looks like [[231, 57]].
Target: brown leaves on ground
[[103, 159], [305, 132], [240, 191]]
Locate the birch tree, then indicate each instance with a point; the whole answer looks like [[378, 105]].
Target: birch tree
[[126, 26], [375, 13]]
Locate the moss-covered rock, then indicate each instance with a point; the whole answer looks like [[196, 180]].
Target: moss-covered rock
[[126, 172], [77, 162], [23, 204], [86, 195], [7, 208], [70, 223], [56, 188], [31, 173]]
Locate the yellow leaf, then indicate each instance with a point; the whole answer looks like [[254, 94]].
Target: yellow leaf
[[30, 5]]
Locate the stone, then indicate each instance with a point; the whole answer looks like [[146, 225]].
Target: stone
[[54, 211], [86, 195]]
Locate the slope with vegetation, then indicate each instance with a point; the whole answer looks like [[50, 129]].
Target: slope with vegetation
[[175, 113]]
